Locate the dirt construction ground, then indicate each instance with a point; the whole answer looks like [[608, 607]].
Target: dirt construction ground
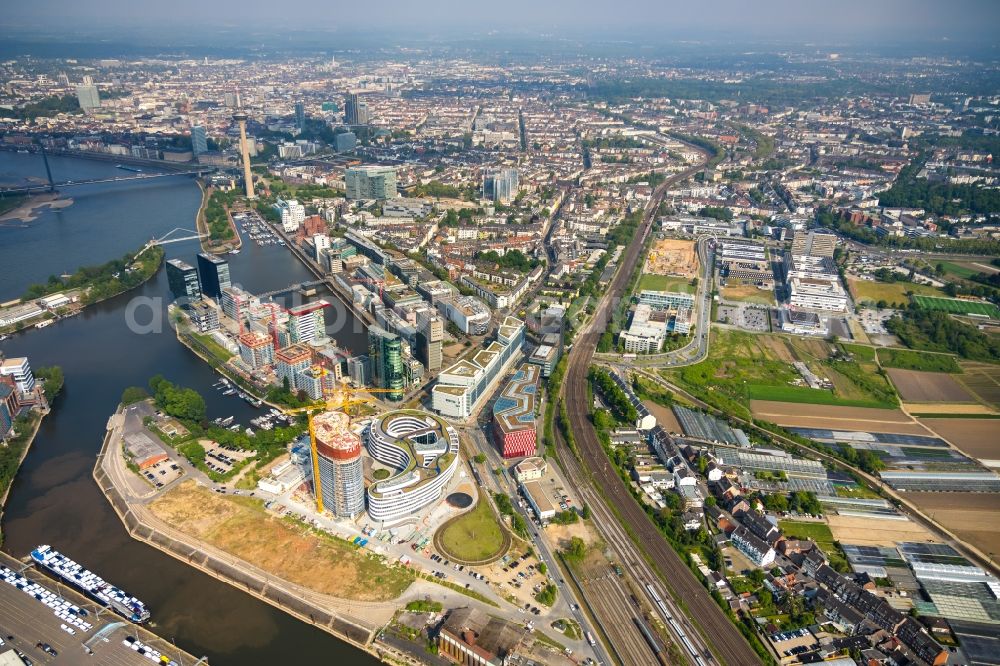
[[974, 517], [241, 527], [876, 531], [835, 417], [672, 257], [917, 386], [976, 437]]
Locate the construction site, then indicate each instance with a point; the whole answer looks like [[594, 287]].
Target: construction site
[[670, 256]]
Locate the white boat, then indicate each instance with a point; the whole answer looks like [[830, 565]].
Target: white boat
[[43, 324]]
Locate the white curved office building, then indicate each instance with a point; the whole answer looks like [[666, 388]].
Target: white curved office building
[[423, 449]]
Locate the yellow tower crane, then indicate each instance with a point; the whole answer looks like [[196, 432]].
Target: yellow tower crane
[[339, 398]]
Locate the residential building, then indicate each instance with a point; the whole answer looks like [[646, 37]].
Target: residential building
[[646, 331], [307, 323], [214, 274], [371, 182], [256, 349], [754, 548], [182, 278], [291, 360], [340, 487]]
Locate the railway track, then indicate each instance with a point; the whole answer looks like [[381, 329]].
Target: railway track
[[725, 641]]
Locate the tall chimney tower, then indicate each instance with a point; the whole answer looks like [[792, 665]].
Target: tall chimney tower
[[240, 117]]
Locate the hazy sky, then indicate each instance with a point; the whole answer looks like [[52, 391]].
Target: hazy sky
[[804, 20]]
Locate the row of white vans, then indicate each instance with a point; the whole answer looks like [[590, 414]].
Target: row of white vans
[[69, 613], [149, 653]]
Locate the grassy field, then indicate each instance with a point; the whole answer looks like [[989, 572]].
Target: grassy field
[[743, 367], [860, 352], [214, 348], [891, 292], [855, 492], [958, 270], [474, 536], [818, 532], [747, 294], [664, 283], [240, 526], [915, 360], [958, 306]]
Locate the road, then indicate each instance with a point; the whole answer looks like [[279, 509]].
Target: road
[[726, 641]]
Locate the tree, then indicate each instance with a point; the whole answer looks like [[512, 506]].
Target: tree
[[480, 458], [586, 512], [576, 549], [133, 394]]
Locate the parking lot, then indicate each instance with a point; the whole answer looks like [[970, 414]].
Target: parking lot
[[162, 473], [220, 458], [745, 316]]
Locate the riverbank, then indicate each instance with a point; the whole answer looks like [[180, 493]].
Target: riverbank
[[117, 280], [31, 207], [326, 613], [204, 228], [25, 448]]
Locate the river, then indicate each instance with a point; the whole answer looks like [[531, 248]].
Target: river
[[54, 499]]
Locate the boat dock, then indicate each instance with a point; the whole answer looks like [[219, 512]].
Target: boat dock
[[103, 634]]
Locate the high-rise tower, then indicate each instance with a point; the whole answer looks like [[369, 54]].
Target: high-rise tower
[[240, 116]]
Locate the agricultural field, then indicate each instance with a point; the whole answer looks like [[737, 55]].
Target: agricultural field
[[744, 367], [919, 386], [890, 292], [876, 531], [967, 269], [860, 352], [983, 380], [958, 306], [975, 437], [664, 416], [241, 527], [836, 417], [747, 293], [664, 283], [972, 516]]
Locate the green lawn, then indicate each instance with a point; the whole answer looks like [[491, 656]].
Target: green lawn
[[891, 292], [915, 360], [855, 492], [664, 283], [818, 532], [958, 306], [474, 536], [958, 270], [214, 348], [860, 352]]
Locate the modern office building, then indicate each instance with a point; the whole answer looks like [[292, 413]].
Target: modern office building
[[423, 451], [462, 386], [214, 273], [470, 314], [203, 315], [291, 360], [514, 414], [256, 349], [500, 185], [345, 141], [300, 115], [430, 339], [87, 95], [293, 214], [307, 323], [371, 182], [18, 369], [385, 351], [199, 140], [359, 370], [182, 278], [355, 110], [813, 243], [339, 481], [666, 300]]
